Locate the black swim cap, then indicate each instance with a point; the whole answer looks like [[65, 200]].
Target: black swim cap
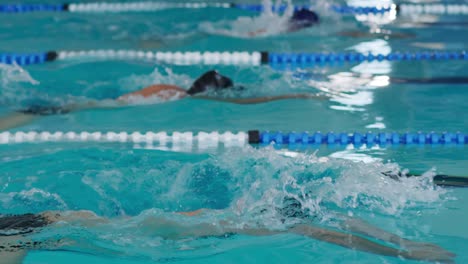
[[303, 18], [210, 80], [292, 208]]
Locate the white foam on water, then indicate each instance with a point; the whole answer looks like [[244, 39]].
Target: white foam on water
[[30, 199], [266, 24], [13, 80], [14, 73]]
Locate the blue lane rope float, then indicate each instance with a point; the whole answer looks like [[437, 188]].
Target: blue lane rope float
[[253, 137], [231, 58], [331, 138], [27, 59], [23, 8], [148, 6], [341, 9]]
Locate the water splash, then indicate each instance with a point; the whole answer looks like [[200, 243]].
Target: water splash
[[243, 187], [14, 74], [268, 23], [13, 83], [334, 181], [248, 180], [259, 82], [31, 199]]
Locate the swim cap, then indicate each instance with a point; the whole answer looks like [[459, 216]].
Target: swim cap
[[210, 80], [292, 208], [303, 18]]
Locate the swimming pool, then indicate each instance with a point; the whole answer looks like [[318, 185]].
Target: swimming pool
[[149, 181]]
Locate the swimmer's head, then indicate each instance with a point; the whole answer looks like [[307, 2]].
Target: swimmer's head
[[210, 80], [302, 18], [292, 208]]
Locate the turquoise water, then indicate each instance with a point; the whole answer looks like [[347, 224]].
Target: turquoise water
[[117, 180]]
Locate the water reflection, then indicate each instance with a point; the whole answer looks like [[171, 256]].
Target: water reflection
[[352, 91]]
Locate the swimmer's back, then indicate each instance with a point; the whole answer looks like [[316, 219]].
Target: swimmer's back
[[164, 91]]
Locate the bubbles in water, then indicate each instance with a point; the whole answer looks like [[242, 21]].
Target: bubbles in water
[[16, 90]]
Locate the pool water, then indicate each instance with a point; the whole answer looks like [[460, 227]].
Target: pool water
[[145, 182]]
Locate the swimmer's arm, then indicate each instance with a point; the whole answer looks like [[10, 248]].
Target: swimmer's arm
[[14, 120], [359, 226], [338, 238], [15, 257], [362, 34], [344, 240], [9, 254], [363, 244], [259, 100], [435, 80], [17, 119]]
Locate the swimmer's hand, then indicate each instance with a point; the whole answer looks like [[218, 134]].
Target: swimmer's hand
[[430, 255], [420, 247]]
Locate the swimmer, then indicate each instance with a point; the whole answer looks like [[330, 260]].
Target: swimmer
[[16, 231], [301, 19], [304, 18], [210, 81]]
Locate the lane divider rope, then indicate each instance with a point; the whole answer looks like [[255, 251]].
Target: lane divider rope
[[230, 58], [148, 6], [241, 138]]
